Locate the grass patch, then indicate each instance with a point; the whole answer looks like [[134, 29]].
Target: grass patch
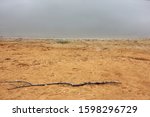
[[62, 41]]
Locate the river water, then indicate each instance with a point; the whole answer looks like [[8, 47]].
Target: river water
[[75, 18]]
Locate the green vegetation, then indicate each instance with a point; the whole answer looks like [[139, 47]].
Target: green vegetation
[[61, 41]]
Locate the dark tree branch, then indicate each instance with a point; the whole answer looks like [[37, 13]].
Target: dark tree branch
[[21, 84]]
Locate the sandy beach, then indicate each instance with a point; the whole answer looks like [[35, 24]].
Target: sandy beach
[[75, 61]]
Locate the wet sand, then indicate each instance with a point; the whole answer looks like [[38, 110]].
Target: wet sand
[[76, 61]]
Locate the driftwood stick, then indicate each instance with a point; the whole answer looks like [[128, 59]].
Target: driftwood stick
[[21, 84]]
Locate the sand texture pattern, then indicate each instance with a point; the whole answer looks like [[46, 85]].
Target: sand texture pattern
[[75, 62]]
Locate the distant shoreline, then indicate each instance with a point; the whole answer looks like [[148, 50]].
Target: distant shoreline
[[68, 38]]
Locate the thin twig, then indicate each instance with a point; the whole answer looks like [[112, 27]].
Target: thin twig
[[21, 84]]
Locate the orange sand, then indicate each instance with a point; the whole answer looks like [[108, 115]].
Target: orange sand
[[43, 61]]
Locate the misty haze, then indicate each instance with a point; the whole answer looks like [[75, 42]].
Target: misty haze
[[75, 18], [75, 50]]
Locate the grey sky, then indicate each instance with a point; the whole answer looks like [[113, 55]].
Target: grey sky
[[74, 18]]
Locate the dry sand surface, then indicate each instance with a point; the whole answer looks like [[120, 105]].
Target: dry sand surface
[[44, 61]]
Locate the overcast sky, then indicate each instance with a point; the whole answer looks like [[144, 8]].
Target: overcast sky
[[74, 18]]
